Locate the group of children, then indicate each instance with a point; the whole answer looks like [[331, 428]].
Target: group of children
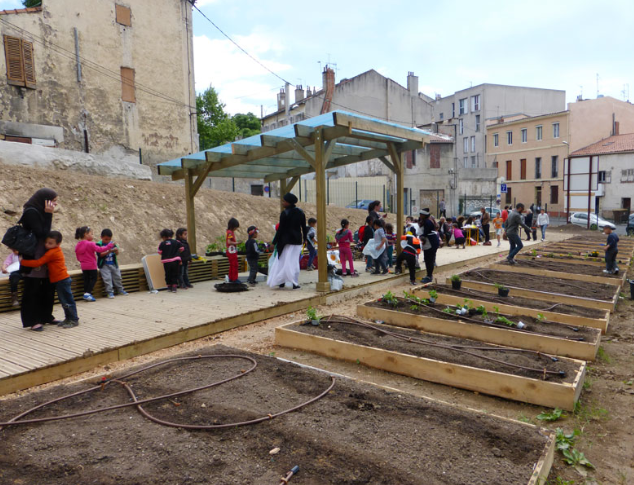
[[176, 258]]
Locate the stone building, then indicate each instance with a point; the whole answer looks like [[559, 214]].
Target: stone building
[[111, 77]]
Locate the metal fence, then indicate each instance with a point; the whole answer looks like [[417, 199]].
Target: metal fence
[[344, 192]]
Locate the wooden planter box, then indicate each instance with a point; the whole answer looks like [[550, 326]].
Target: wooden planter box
[[600, 323], [500, 336], [544, 296], [517, 388], [527, 256], [618, 282]]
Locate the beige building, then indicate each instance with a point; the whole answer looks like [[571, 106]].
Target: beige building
[[529, 152], [107, 77]]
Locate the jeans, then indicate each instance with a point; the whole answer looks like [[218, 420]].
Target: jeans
[[610, 259], [516, 245], [312, 252], [486, 228], [183, 275], [390, 255], [254, 268], [543, 228], [369, 263], [65, 295]]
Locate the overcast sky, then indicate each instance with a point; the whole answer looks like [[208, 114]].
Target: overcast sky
[[450, 45]]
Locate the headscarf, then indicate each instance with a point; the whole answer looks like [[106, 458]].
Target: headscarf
[[291, 199], [39, 198]]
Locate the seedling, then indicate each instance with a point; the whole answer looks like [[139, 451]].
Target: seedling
[[311, 314], [433, 296], [448, 310], [576, 458], [414, 308], [468, 304], [541, 318], [554, 415], [565, 441], [500, 286], [455, 279], [390, 299], [496, 310], [534, 252], [482, 311], [505, 321]]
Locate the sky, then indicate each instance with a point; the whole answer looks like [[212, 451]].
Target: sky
[[450, 45]]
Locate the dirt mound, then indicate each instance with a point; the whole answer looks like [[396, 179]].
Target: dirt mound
[[136, 211]]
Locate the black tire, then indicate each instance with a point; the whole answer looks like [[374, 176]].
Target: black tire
[[231, 287]]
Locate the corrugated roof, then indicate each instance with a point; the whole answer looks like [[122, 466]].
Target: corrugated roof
[[613, 144], [21, 10]]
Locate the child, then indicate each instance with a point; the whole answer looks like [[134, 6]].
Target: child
[[170, 251], [409, 254], [186, 258], [232, 250], [497, 226], [344, 237], [611, 250], [109, 266], [85, 251], [253, 255], [458, 236], [14, 276], [368, 233], [58, 275], [380, 241], [391, 239], [311, 241]]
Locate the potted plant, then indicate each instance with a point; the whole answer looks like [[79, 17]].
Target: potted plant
[[502, 290], [312, 317], [216, 248], [456, 282]]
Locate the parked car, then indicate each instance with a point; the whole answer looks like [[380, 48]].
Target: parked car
[[581, 219], [491, 210], [629, 230], [360, 204]]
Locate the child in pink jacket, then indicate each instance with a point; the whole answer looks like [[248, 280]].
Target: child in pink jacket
[[86, 251], [344, 237]]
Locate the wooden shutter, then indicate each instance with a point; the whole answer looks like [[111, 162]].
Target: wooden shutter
[[127, 85], [29, 64], [124, 15], [13, 54], [523, 169]]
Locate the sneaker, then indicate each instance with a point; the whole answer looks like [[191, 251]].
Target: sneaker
[[173, 289], [426, 279], [385, 272], [188, 287], [123, 293], [110, 296], [89, 297], [369, 270], [375, 272], [14, 299], [616, 270], [296, 287], [55, 322], [512, 261], [282, 285], [355, 274], [499, 244], [70, 324], [413, 282], [606, 271], [398, 271], [251, 283], [310, 268]]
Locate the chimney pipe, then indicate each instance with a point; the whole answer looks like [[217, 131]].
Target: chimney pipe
[[281, 99], [299, 93], [287, 100], [412, 84]]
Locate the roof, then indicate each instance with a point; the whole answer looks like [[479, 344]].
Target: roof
[[523, 120], [21, 10], [284, 152], [613, 144]]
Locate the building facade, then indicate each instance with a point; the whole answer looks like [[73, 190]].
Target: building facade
[[529, 151], [97, 77]]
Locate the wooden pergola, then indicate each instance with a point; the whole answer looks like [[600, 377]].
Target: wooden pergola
[[285, 154]]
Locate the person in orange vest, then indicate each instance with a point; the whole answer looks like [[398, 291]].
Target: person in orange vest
[[409, 254]]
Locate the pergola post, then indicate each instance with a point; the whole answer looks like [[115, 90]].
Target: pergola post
[[282, 193], [397, 161], [320, 178], [190, 194]]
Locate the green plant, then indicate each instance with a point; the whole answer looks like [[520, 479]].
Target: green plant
[[468, 304], [448, 310], [603, 356], [523, 418], [433, 294], [496, 310], [311, 314], [587, 383], [455, 278], [534, 252], [550, 255], [565, 441], [505, 321], [560, 481], [482, 311], [499, 286], [576, 458], [414, 308], [554, 415], [390, 299], [593, 227], [541, 318]]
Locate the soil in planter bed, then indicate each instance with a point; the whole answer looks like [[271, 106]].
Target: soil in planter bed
[[562, 267], [520, 302], [580, 289], [534, 326], [373, 338], [357, 434]]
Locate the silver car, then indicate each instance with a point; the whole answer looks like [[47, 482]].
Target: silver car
[[581, 219]]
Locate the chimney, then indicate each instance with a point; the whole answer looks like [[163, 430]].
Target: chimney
[[616, 128], [287, 100], [281, 99], [328, 79], [308, 92], [438, 97], [299, 93], [412, 84]]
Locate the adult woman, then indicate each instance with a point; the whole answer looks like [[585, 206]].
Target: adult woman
[[374, 208], [288, 240], [429, 235], [542, 221], [38, 295]]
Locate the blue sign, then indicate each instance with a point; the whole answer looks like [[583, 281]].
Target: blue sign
[[503, 188]]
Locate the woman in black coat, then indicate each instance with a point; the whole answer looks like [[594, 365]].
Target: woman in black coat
[[38, 295]]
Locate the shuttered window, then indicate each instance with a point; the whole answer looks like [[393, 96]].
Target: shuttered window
[[127, 85], [124, 15], [20, 62]]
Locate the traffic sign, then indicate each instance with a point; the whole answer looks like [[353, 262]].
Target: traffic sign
[[503, 188]]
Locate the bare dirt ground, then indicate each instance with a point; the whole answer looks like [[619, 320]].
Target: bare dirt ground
[[137, 211]]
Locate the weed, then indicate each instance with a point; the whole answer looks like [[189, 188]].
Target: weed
[[587, 383], [576, 458], [587, 413], [554, 415], [560, 481], [565, 441], [523, 418], [603, 356], [534, 252], [358, 362]]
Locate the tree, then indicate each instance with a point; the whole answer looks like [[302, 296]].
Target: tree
[[215, 127], [31, 3], [248, 124]]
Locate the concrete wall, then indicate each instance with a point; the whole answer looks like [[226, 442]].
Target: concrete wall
[[620, 185], [157, 45], [423, 182], [591, 120]]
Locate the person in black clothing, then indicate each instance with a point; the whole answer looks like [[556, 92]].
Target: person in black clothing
[[611, 250], [253, 255], [373, 209], [39, 294], [427, 231], [409, 254], [528, 220], [288, 241], [186, 258], [170, 251]]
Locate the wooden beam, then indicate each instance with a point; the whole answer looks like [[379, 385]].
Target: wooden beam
[[190, 194], [388, 164], [292, 183], [521, 269], [320, 188], [382, 128], [303, 152], [400, 194], [282, 192]]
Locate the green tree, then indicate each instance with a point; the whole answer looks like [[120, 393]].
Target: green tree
[[31, 3], [215, 127], [248, 124]]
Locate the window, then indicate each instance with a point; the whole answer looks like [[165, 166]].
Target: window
[[473, 144], [460, 126], [496, 140], [434, 156], [474, 163], [524, 135], [466, 162], [509, 196], [453, 110], [475, 103], [465, 144], [408, 159], [509, 137], [124, 15], [538, 168], [509, 170], [555, 130], [605, 176], [523, 169], [477, 122], [463, 108], [554, 194], [602, 176], [538, 133], [127, 85], [554, 162], [441, 116], [627, 175], [20, 62]]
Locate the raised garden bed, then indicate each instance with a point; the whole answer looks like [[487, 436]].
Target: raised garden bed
[[576, 257], [516, 305], [541, 335], [357, 434], [553, 269], [558, 290], [438, 359]]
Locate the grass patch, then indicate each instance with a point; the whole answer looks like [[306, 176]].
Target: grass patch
[[603, 356]]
